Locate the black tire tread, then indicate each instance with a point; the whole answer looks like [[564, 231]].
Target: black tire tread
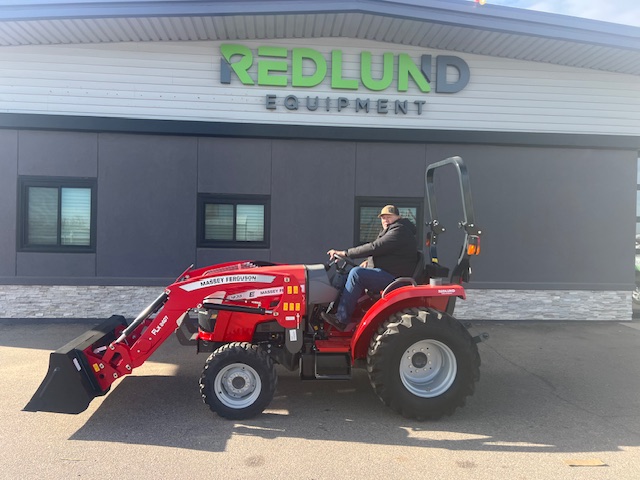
[[381, 346], [225, 354]]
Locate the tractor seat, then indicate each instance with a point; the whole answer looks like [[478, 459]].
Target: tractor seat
[[415, 279]]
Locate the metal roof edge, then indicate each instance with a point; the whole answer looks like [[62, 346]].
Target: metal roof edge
[[464, 13]]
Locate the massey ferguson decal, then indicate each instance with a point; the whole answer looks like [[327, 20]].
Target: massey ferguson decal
[[267, 292], [189, 287]]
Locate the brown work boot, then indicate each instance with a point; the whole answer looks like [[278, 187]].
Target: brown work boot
[[333, 321]]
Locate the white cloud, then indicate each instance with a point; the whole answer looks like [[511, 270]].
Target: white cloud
[[626, 12]]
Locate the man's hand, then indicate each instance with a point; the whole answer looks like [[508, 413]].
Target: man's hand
[[332, 253]]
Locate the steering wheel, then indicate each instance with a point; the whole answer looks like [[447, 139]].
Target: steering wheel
[[340, 263], [346, 260]]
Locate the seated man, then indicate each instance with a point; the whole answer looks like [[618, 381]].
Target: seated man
[[391, 255]]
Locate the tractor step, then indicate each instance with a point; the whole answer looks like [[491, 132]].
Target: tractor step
[[325, 366]]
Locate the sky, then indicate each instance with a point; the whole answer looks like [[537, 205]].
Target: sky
[[626, 12]]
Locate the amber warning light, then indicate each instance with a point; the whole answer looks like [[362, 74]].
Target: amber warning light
[[473, 247]]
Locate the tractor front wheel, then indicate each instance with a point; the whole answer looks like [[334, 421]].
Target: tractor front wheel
[[238, 381], [423, 363]]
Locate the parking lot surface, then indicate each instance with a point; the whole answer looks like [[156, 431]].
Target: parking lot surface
[[554, 400]]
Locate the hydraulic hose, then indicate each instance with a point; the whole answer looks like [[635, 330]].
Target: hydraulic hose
[[142, 316]]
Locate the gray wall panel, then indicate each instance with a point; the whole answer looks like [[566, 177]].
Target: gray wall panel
[[8, 198], [69, 154], [234, 166], [32, 264], [552, 218], [146, 205], [312, 200], [390, 169]]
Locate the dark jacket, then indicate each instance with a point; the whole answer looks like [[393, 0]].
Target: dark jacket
[[394, 251]]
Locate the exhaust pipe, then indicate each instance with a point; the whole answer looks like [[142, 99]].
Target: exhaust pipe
[[70, 383]]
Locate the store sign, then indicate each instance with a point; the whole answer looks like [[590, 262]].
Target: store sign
[[283, 67]]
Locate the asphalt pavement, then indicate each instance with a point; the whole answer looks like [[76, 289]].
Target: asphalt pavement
[[555, 400]]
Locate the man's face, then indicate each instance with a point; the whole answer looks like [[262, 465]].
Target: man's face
[[388, 220]]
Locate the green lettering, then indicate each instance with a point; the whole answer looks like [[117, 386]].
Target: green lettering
[[336, 73], [387, 72], [406, 68], [265, 67], [241, 66], [298, 56]]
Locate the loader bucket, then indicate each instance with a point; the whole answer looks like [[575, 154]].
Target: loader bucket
[[70, 385]]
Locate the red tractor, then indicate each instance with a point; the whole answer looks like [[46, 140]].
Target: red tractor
[[252, 315]]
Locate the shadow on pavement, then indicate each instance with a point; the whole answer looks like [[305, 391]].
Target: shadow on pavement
[[552, 388], [545, 387]]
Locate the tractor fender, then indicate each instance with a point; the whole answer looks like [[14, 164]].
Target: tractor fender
[[432, 296]]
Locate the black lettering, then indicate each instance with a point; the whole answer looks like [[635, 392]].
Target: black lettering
[[342, 103], [383, 105], [443, 62], [291, 102], [362, 105], [401, 106], [419, 103], [225, 71], [271, 102], [312, 106]]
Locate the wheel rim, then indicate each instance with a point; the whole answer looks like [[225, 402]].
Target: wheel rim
[[428, 368], [237, 385]]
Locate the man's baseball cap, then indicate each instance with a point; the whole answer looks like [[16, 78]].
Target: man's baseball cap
[[389, 210]]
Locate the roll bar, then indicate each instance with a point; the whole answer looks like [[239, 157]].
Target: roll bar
[[462, 271], [465, 188]]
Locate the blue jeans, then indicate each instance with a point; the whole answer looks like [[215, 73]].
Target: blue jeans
[[358, 280]]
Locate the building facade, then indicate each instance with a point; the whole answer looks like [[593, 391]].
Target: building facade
[[136, 141]]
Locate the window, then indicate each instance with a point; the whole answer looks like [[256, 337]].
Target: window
[[233, 221], [57, 214], [367, 221]]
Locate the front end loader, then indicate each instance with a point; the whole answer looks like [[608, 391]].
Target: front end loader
[[250, 316]]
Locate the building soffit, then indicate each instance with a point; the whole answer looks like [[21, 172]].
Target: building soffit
[[453, 25]]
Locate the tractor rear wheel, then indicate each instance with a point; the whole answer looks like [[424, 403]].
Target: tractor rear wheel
[[423, 363], [238, 381]]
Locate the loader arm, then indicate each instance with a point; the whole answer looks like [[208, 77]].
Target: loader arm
[[87, 366]]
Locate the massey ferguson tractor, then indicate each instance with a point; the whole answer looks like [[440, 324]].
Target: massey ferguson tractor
[[251, 315]]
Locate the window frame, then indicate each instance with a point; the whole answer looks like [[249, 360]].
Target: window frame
[[400, 202], [235, 200], [25, 182]]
